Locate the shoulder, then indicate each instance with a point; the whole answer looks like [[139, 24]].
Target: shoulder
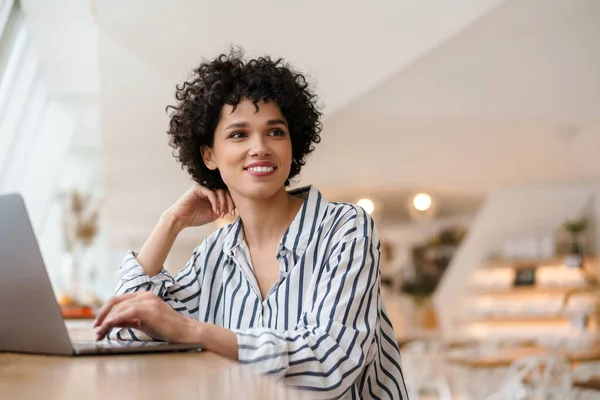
[[347, 221], [215, 242]]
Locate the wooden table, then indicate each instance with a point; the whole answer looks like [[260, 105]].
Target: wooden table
[[201, 375]]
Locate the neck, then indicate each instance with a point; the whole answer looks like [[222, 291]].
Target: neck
[[266, 220]]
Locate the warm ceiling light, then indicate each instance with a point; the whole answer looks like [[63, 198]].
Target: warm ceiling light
[[422, 201], [367, 205]]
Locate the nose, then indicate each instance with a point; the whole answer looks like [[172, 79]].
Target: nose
[[259, 146]]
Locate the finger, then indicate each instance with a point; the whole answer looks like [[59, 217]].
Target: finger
[[135, 324], [113, 301], [121, 317], [212, 197], [104, 335], [222, 202], [230, 205]]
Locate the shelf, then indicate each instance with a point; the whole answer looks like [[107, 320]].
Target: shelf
[[523, 318], [529, 290], [523, 263], [566, 298]]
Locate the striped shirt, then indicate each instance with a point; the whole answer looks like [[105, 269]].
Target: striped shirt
[[322, 327]]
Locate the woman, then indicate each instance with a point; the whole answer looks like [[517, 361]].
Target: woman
[[291, 287]]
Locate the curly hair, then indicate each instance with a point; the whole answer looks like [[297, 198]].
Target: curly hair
[[228, 79]]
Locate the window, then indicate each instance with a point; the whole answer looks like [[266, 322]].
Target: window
[[41, 155]]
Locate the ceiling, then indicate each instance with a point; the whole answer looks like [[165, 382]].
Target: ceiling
[[454, 98], [65, 35]]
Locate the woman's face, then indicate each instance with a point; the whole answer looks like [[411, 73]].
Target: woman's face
[[252, 149]]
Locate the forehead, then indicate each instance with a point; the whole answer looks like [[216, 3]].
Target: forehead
[[246, 110]]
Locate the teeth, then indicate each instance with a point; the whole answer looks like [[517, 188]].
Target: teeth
[[261, 169]]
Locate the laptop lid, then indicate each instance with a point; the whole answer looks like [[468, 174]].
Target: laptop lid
[[30, 318]]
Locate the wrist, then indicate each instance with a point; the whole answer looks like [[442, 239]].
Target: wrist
[[212, 338], [194, 332], [169, 220]]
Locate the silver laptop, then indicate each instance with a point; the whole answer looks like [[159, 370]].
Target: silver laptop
[[30, 317]]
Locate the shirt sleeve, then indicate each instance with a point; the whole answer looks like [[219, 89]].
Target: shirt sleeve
[[182, 293], [334, 338]]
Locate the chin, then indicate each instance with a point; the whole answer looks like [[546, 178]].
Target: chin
[[262, 191], [258, 190]]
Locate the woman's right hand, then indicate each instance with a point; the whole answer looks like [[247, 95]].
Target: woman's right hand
[[199, 206]]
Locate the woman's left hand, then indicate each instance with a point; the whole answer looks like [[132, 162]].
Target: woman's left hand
[[148, 313]]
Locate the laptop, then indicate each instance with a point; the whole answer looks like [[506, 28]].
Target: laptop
[[30, 317]]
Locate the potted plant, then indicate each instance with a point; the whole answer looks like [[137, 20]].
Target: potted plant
[[81, 224], [421, 292], [576, 228]]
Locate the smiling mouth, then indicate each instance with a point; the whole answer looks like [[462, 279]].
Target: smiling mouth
[[261, 169]]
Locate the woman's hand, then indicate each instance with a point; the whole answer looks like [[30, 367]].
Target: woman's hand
[[199, 206], [148, 313]]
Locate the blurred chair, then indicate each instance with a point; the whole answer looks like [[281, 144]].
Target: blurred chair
[[584, 372], [476, 383], [540, 377], [425, 370]]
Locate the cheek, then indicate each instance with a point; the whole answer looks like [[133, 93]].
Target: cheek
[[228, 155], [287, 151], [289, 158]]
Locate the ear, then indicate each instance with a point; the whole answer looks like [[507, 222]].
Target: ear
[[208, 157]]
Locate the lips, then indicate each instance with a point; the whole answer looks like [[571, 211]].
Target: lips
[[261, 164], [261, 168]]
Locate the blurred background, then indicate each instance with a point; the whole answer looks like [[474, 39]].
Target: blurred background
[[469, 129]]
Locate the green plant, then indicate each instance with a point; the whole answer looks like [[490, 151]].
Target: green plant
[[576, 228], [419, 291]]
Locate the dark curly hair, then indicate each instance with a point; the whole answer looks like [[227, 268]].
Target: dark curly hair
[[229, 79]]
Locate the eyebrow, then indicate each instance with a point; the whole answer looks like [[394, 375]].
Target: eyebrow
[[243, 124], [276, 121]]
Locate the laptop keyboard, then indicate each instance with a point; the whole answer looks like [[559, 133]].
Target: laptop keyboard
[[127, 346], [90, 346]]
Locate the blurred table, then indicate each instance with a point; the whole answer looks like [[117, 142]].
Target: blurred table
[[498, 358], [201, 375], [505, 356], [590, 384]]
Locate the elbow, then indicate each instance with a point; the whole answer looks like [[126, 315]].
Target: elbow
[[329, 379]]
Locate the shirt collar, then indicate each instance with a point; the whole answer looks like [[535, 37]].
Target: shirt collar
[[233, 235], [299, 233], [306, 222]]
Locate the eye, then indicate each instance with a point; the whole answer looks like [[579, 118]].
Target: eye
[[277, 132], [237, 135]]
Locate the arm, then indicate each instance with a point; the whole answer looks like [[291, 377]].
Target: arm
[[159, 244], [144, 271], [196, 207], [181, 293]]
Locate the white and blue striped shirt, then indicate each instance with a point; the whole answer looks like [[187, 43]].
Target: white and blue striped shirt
[[322, 327]]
